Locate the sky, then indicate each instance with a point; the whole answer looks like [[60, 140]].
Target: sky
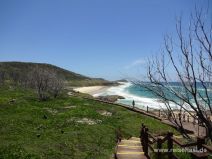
[[110, 39]]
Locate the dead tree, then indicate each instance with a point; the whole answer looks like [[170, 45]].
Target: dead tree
[[2, 77], [187, 60], [13, 76], [40, 80], [46, 82], [56, 85]]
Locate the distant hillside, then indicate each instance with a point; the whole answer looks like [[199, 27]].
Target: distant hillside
[[73, 79]]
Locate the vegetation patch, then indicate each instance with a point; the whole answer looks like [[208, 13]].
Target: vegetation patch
[[30, 128]]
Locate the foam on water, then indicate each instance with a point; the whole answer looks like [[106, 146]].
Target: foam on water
[[142, 97], [141, 102]]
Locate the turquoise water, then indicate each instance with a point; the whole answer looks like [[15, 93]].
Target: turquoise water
[[143, 97]]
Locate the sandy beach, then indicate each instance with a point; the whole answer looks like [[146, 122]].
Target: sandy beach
[[91, 89]]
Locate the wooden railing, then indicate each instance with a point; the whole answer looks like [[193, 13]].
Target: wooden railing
[[155, 144]]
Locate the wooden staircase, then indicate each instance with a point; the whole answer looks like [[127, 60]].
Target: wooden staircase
[[130, 149]]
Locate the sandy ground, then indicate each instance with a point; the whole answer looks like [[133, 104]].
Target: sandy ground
[[91, 89]]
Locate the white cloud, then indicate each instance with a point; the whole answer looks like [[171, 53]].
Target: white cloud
[[136, 63]]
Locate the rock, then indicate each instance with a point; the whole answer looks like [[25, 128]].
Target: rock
[[104, 113], [122, 80], [40, 127], [88, 121], [110, 98], [70, 93], [12, 101], [38, 135], [87, 104], [70, 107], [45, 117], [52, 111]]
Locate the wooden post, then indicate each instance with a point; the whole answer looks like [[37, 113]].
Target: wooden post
[[179, 116], [200, 142], [147, 109], [146, 139], [188, 118], [143, 135], [169, 115], [170, 145], [198, 126], [159, 113], [208, 118], [142, 130], [118, 135], [159, 146], [184, 117], [194, 122]]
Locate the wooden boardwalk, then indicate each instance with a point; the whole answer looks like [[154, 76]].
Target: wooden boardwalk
[[196, 129], [130, 149]]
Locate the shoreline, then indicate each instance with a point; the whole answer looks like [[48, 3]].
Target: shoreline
[[92, 90], [95, 90], [141, 103]]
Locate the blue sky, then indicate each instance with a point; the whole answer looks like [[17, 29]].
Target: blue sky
[[99, 38]]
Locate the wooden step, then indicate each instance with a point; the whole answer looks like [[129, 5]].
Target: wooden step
[[130, 143], [130, 149], [131, 156], [135, 139]]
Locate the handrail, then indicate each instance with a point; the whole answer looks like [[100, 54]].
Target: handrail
[[154, 138], [116, 149], [164, 139], [147, 143], [152, 142], [150, 146], [208, 148], [184, 145], [177, 142]]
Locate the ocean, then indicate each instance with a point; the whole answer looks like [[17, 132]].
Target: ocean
[[141, 96]]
